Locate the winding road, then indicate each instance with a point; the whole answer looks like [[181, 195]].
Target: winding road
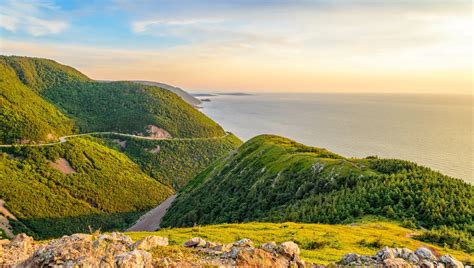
[[151, 220], [63, 139]]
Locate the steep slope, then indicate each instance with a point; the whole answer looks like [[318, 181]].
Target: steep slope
[[93, 106], [176, 90], [24, 115], [66, 188], [175, 162], [130, 108], [272, 178]]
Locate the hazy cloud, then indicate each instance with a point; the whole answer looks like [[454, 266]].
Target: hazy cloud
[[33, 17]]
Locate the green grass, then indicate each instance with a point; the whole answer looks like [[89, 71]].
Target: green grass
[[320, 243]]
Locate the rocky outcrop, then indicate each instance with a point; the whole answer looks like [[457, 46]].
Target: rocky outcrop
[[118, 250], [401, 257]]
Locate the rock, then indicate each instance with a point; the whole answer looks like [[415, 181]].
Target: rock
[[4, 242], [289, 249], [21, 242], [350, 258], [244, 243], [386, 253], [412, 258], [135, 258], [116, 236], [425, 263], [150, 242], [256, 257], [451, 262], [269, 247], [425, 254], [396, 263], [16, 251], [195, 242], [211, 245]]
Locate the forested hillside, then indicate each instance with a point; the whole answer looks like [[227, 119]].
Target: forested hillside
[[175, 162], [275, 179], [101, 188], [24, 115], [52, 91]]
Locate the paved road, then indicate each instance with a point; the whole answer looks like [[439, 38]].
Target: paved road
[[63, 139], [152, 219]]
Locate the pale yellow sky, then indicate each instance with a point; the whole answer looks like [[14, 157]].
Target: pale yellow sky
[[334, 48]]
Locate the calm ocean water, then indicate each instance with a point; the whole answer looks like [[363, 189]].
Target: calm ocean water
[[432, 130]]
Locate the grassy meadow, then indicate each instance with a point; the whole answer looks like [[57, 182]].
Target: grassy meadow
[[319, 243]]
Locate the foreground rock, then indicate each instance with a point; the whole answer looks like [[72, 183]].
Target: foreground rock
[[401, 257], [118, 250]]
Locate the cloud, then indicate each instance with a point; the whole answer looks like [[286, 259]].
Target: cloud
[[34, 18]]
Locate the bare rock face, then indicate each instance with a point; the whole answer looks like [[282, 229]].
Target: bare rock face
[[150, 242]]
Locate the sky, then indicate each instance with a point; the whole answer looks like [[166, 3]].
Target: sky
[[398, 46]]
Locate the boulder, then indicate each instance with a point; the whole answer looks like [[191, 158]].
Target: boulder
[[135, 258], [425, 254], [244, 243], [350, 258], [150, 242], [21, 241], [256, 257], [116, 237], [425, 263], [270, 247], [386, 253], [289, 249], [195, 242], [451, 262], [396, 263]]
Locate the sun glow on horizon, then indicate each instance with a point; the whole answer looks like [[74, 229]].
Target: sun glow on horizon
[[328, 46]]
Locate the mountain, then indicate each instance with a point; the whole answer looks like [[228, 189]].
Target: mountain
[[66, 188], [176, 90], [105, 182], [79, 104], [275, 179]]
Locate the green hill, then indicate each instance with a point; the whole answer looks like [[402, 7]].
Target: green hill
[[93, 106], [275, 179], [48, 202], [91, 184], [175, 162], [24, 115]]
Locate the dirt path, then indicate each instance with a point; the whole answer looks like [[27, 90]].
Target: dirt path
[[152, 219], [4, 215], [64, 139]]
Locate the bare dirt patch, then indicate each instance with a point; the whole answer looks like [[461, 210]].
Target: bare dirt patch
[[155, 150], [157, 133], [63, 166], [122, 143], [4, 215]]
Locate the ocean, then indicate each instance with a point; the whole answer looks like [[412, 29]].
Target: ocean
[[433, 130]]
